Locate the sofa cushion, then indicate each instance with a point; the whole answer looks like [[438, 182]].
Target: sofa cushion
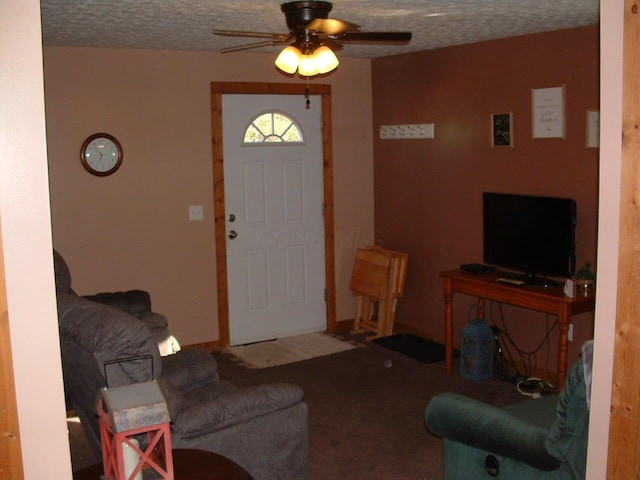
[[189, 369], [175, 400], [135, 302], [223, 410]]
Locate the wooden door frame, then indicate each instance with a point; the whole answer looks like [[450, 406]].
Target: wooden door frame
[[10, 445], [624, 436], [217, 90]]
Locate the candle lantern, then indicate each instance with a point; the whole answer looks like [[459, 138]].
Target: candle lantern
[[134, 431], [476, 356]]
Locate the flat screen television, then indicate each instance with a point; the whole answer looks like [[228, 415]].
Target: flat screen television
[[532, 234]]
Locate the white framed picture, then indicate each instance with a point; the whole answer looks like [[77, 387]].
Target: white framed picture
[[548, 112]]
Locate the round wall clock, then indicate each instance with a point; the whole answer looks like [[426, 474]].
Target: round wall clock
[[101, 154]]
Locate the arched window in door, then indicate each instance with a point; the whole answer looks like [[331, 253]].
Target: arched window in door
[[272, 127]]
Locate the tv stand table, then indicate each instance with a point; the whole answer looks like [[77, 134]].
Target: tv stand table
[[485, 286]]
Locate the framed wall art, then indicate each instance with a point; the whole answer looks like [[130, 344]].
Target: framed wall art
[[548, 112], [502, 129]]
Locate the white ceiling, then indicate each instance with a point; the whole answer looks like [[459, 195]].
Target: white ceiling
[[187, 24]]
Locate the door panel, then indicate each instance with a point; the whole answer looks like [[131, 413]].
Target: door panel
[[275, 263]]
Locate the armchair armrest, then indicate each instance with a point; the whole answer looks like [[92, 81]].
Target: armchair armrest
[[189, 369], [237, 406], [468, 421]]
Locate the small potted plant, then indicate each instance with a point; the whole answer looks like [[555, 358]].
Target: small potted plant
[[585, 279]]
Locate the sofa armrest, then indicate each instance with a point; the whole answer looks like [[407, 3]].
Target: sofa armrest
[[241, 405], [189, 369], [154, 321], [476, 424]]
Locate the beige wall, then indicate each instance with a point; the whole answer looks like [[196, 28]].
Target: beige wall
[[131, 230], [26, 238]]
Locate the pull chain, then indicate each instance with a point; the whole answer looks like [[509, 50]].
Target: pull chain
[[306, 95]]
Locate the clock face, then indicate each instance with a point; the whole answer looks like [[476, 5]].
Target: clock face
[[101, 154]]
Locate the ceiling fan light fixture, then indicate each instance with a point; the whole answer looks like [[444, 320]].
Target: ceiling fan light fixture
[[289, 59], [321, 60], [325, 59], [308, 66]]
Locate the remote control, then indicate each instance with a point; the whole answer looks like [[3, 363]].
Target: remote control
[[511, 281]]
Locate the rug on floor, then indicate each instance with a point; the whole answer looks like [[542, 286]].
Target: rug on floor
[[415, 347], [286, 350]]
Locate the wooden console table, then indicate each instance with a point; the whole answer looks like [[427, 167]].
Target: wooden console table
[[485, 286]]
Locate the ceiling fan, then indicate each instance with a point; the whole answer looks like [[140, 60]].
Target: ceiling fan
[[312, 39]]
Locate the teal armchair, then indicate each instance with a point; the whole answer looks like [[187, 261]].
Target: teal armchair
[[543, 438]]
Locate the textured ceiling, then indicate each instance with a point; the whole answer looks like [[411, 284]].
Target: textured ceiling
[[187, 24]]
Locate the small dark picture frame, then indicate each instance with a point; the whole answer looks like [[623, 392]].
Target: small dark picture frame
[[502, 129]]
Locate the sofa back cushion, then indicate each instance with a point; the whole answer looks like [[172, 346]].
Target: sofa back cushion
[[61, 273], [134, 302]]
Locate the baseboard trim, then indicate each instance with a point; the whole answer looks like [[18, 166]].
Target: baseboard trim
[[213, 346], [346, 325]]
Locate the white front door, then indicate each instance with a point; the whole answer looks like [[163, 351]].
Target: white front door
[[275, 226]]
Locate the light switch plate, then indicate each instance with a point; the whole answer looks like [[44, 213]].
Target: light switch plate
[[196, 212]]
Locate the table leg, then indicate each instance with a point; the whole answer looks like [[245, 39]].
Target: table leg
[[448, 328], [564, 319]]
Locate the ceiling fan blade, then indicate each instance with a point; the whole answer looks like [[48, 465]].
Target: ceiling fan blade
[[374, 37], [247, 46], [239, 33], [331, 26], [332, 44]]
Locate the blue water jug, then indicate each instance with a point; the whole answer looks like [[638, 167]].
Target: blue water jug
[[476, 355]]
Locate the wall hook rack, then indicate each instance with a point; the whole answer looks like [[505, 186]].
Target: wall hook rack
[[407, 132]]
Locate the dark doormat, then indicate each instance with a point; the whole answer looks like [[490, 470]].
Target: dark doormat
[[418, 348]]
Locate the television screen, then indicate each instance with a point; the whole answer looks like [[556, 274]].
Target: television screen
[[530, 233]]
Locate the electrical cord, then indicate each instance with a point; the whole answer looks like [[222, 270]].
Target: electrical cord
[[535, 387], [510, 340], [506, 368]]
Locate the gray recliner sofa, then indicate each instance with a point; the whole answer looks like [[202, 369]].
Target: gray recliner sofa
[[263, 428], [135, 302]]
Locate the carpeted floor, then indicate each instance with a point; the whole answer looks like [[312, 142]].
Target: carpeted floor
[[366, 411]]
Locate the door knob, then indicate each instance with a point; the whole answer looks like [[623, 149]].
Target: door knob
[[232, 234], [232, 217]]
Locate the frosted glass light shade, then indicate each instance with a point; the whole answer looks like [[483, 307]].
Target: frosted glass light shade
[[322, 60], [308, 66], [289, 59], [325, 59]]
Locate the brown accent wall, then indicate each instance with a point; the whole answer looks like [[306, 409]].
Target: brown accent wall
[[428, 193]]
